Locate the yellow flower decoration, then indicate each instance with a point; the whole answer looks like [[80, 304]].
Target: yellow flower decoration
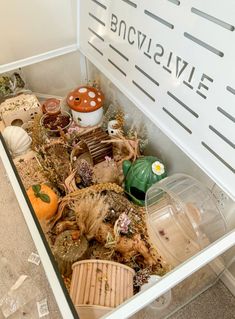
[[158, 168]]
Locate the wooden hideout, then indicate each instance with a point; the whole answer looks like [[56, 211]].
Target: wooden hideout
[[99, 285]]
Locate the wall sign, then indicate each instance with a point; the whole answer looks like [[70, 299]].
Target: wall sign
[[174, 59]]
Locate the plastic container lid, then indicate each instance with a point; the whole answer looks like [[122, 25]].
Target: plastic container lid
[[182, 217]]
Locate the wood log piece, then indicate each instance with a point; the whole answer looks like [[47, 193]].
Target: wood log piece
[[69, 247]]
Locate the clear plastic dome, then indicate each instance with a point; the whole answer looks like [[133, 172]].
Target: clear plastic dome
[[182, 217]]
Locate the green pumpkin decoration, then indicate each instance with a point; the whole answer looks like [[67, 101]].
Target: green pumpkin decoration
[[141, 175]]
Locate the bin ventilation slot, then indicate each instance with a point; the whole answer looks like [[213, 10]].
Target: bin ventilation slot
[[146, 74], [95, 48], [218, 157], [202, 95], [117, 67], [176, 2], [231, 90], [131, 3], [173, 59], [203, 44], [159, 19], [96, 34], [176, 120], [144, 91], [118, 52], [148, 55], [99, 4], [188, 85], [222, 136], [213, 19], [168, 70], [182, 104], [229, 116], [168, 63], [97, 19]]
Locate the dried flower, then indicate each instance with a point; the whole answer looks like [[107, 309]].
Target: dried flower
[[75, 129], [110, 241], [120, 118], [86, 172], [123, 224], [136, 218], [93, 83], [108, 159], [90, 213], [141, 277]]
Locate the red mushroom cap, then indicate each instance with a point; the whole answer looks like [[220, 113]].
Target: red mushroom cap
[[85, 99]]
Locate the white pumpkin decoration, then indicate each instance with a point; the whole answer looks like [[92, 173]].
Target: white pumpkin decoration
[[17, 139]]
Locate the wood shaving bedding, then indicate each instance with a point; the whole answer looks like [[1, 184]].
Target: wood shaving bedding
[[30, 172], [21, 102]]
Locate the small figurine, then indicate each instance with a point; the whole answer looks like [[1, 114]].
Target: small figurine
[[141, 175], [86, 103], [114, 128]]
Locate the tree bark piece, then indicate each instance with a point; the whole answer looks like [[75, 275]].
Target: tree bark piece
[[69, 247]]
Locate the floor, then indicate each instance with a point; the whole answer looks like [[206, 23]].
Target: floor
[[16, 246], [215, 303]]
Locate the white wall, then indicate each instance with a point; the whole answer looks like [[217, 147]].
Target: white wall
[[30, 27]]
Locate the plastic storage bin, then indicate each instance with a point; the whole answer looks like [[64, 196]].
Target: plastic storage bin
[[191, 88]]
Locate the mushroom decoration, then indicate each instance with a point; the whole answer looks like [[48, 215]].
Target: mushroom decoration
[[86, 104]]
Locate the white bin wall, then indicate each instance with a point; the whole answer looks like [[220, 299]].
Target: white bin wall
[[56, 76], [28, 28], [159, 144]]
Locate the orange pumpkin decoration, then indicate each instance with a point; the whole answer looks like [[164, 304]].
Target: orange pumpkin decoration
[[44, 201]]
